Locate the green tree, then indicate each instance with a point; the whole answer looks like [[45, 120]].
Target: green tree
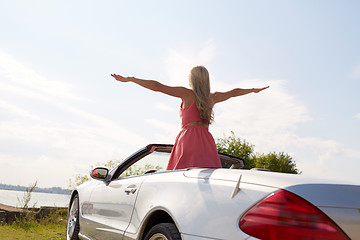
[[137, 170], [78, 179], [130, 171], [236, 147], [276, 162]]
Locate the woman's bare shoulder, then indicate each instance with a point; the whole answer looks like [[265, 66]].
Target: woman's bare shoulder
[[217, 97], [188, 98]]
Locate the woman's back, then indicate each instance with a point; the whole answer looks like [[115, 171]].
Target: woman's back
[[194, 146]]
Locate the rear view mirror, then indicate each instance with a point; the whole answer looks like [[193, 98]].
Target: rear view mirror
[[99, 173]]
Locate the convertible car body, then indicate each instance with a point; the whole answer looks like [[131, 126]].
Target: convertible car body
[[139, 199]]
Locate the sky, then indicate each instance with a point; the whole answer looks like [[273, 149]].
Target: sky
[[61, 112]]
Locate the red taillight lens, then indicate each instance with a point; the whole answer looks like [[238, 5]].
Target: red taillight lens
[[284, 215]]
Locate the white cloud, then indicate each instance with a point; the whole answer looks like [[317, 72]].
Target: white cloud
[[73, 146], [17, 110], [165, 126], [355, 73], [357, 115], [164, 107], [21, 91], [326, 159], [43, 136], [180, 62], [22, 79], [269, 120], [33, 85], [268, 117], [46, 170]]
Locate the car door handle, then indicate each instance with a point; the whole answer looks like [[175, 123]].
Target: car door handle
[[129, 190]]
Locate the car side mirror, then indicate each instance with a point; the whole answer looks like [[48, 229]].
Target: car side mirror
[[99, 173]]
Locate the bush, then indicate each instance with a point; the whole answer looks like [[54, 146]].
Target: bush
[[276, 162]]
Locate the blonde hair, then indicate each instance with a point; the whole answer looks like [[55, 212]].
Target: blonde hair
[[200, 84]]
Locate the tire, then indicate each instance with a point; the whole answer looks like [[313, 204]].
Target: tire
[[163, 231], [73, 225]]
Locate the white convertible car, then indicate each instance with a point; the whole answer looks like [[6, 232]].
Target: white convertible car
[[140, 200]]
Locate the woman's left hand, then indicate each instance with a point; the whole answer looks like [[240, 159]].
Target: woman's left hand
[[256, 90]]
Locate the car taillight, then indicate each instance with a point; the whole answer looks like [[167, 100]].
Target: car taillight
[[284, 215]]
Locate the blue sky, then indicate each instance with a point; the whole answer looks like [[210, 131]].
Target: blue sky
[[61, 112]]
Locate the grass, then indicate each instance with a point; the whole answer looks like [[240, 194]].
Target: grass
[[54, 231], [53, 226], [29, 226]]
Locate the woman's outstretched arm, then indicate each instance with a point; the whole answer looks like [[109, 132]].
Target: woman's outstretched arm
[[180, 92], [223, 96]]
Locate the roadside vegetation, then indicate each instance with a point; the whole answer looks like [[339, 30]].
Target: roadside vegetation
[[81, 178], [273, 161], [29, 225], [55, 231]]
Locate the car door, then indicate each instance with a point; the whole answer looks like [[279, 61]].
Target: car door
[[112, 206]]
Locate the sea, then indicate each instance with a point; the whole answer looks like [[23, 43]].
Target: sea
[[14, 198]]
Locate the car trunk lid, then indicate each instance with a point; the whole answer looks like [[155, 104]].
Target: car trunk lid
[[341, 202]]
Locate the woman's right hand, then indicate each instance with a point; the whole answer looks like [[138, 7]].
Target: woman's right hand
[[120, 78]]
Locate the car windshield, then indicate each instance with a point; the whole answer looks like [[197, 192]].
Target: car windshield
[[155, 157], [155, 161]]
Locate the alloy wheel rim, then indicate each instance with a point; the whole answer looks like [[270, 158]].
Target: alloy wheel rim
[[71, 225], [158, 236]]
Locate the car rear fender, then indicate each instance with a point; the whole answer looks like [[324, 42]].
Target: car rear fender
[[340, 202]]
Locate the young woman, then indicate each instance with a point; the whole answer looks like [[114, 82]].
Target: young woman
[[194, 146]]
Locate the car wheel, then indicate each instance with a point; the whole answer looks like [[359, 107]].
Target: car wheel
[[163, 231], [73, 225]]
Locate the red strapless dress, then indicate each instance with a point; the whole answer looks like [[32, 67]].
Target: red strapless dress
[[194, 146]]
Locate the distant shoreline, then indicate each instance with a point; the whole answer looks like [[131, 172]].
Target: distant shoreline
[[54, 190]]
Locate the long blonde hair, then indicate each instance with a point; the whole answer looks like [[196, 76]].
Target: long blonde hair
[[200, 84]]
